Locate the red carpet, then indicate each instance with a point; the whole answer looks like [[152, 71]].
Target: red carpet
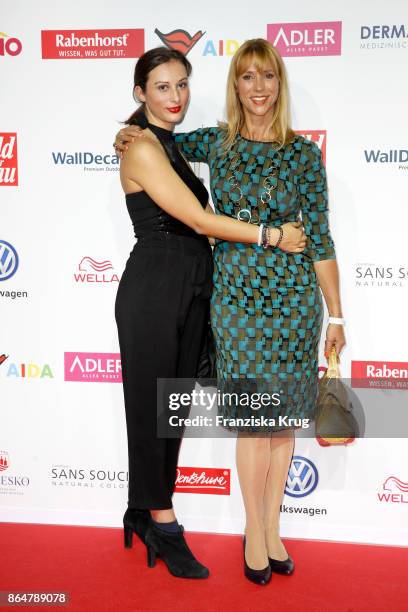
[[99, 574]]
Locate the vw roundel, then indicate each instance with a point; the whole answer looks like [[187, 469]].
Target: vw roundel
[[302, 477], [8, 260]]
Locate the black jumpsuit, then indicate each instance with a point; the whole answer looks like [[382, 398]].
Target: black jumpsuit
[[162, 313]]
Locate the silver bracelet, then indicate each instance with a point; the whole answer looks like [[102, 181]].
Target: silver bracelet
[[260, 234], [336, 321]]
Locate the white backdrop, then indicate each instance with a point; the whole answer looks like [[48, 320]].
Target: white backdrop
[[63, 455]]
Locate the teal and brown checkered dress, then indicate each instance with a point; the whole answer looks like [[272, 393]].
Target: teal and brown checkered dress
[[266, 308]]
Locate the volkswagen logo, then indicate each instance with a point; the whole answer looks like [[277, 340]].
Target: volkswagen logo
[[8, 260], [302, 478]]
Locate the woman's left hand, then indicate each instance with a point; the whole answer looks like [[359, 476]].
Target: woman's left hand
[[334, 337]]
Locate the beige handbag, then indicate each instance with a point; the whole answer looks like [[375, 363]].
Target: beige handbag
[[335, 422]]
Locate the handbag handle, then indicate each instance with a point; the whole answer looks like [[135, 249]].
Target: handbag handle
[[333, 370]]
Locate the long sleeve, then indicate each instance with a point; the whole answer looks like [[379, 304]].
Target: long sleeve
[[314, 206], [196, 146]]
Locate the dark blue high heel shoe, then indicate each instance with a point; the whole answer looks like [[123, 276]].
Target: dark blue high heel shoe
[[261, 577], [135, 521]]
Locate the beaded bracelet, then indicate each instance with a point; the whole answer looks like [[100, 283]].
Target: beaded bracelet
[[280, 237], [265, 237]]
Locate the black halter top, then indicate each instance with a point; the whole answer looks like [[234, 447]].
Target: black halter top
[[147, 217]]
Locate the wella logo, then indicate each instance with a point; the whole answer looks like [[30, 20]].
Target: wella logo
[[92, 271], [8, 159], [395, 491], [214, 481], [92, 44], [305, 39], [379, 374], [92, 367], [319, 137]]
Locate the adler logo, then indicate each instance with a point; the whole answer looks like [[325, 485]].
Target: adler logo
[[213, 481], [92, 44], [379, 374], [306, 39], [394, 491], [92, 367]]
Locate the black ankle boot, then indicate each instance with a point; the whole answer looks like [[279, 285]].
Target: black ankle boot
[[262, 576], [173, 549], [135, 521]]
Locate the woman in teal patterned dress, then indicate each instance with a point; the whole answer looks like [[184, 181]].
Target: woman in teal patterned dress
[[266, 305]]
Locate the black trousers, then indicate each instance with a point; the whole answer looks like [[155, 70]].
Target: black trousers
[[162, 310]]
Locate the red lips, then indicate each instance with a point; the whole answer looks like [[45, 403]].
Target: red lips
[[175, 109]]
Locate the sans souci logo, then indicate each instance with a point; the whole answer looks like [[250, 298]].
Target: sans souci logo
[[67, 476], [392, 36], [92, 271], [370, 275], [92, 367], [379, 374], [213, 481], [87, 160], [184, 42], [92, 44], [387, 156], [11, 484], [394, 491], [27, 370], [302, 39], [9, 45], [8, 159], [4, 460]]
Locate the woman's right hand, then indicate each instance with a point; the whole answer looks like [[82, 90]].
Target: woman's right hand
[[125, 136], [294, 238]]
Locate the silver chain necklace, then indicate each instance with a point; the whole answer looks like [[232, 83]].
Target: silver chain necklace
[[242, 207]]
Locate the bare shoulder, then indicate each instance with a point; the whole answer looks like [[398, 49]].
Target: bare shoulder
[[143, 147]]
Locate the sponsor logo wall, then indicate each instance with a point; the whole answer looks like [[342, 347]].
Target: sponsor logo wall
[[65, 234]]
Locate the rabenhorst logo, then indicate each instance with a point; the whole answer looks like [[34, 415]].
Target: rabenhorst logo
[[394, 491], [92, 44], [303, 39], [87, 160], [27, 370], [92, 367], [8, 159], [371, 275], [319, 137], [379, 374], [387, 156], [93, 271], [4, 460], [67, 476], [213, 481], [9, 45], [383, 36]]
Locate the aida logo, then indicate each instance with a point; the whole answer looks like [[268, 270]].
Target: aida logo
[[306, 39], [319, 137], [92, 367], [379, 374], [92, 44], [93, 271], [8, 159], [4, 460], [213, 481], [9, 45], [394, 491], [26, 370], [180, 39]]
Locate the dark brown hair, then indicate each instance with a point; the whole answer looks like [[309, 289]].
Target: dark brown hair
[[144, 65]]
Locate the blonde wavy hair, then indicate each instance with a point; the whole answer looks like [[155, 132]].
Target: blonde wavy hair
[[264, 55]]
